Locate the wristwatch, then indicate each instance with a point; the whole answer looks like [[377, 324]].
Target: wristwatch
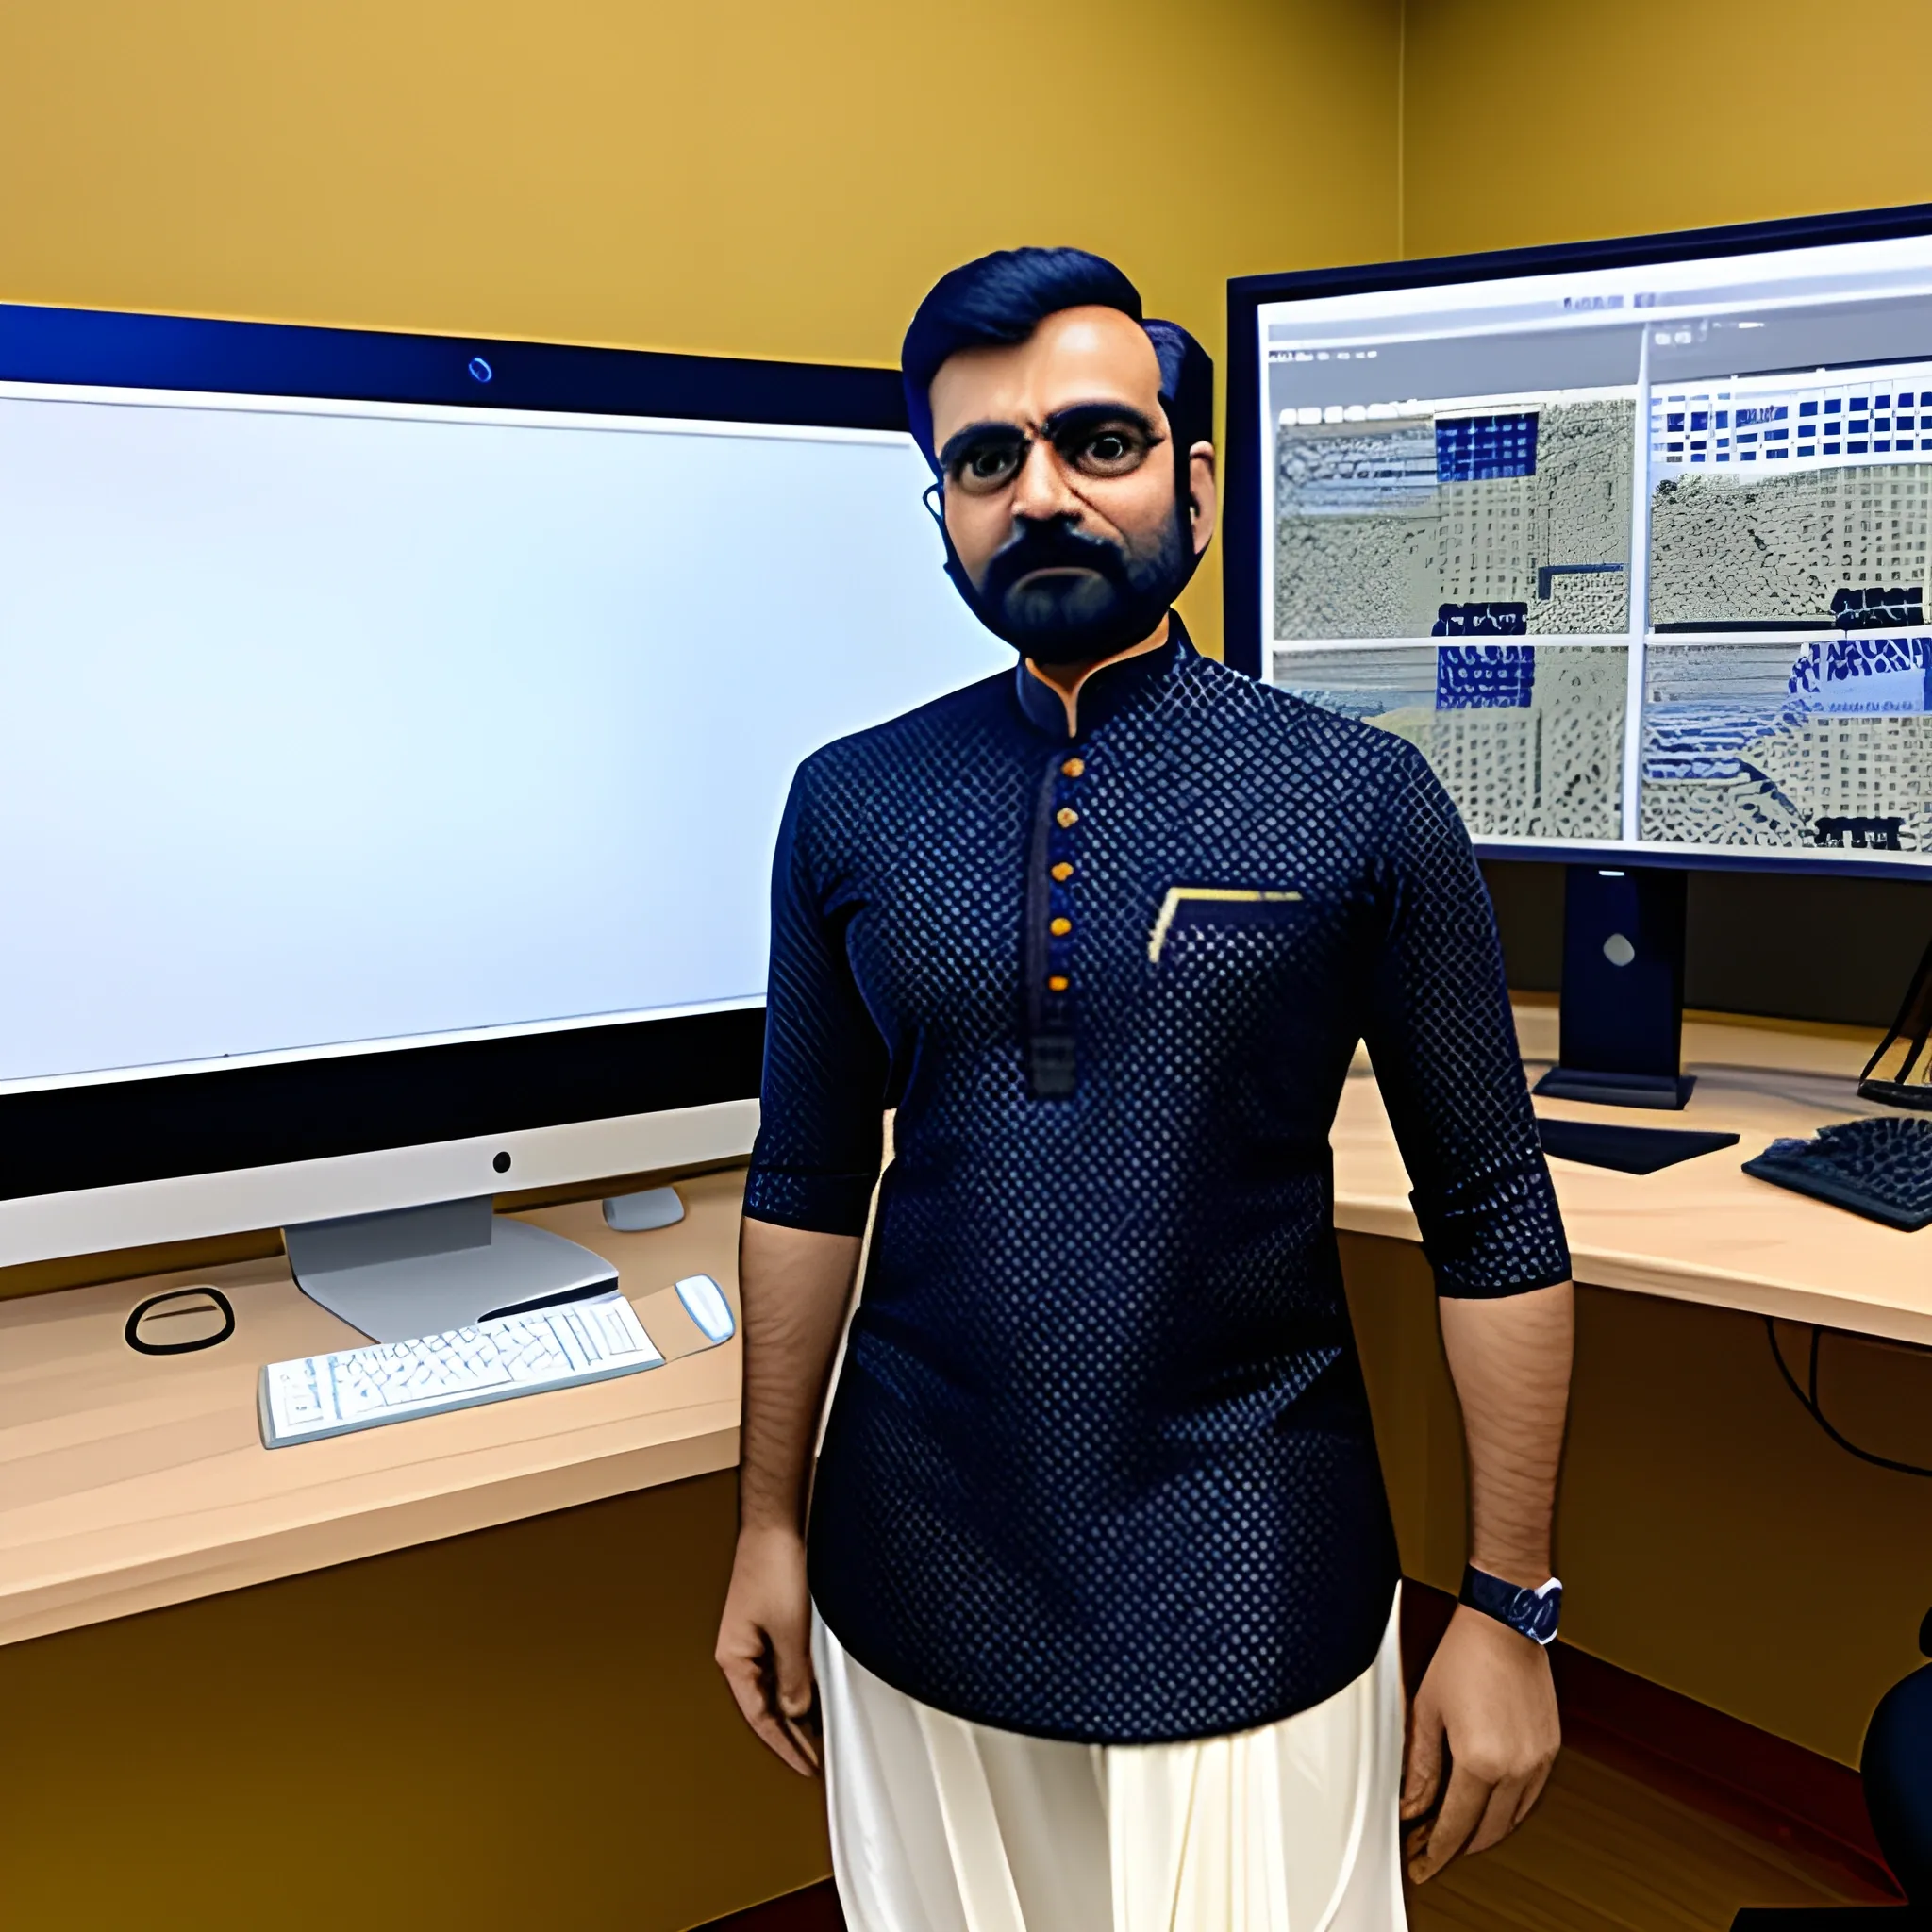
[[1531, 1613]]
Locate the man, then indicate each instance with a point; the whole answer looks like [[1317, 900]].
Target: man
[[1102, 1581]]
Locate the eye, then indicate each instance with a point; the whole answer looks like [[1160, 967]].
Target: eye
[[1111, 451], [988, 466]]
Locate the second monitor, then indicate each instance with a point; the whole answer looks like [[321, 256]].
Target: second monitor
[[1628, 539]]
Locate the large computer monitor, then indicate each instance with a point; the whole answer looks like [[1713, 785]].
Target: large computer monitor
[[1630, 539], [394, 736]]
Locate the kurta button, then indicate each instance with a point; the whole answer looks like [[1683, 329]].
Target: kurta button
[[1066, 816], [1073, 767], [1060, 928], [1063, 871], [1058, 983]]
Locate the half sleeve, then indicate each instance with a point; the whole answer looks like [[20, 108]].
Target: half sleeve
[[1442, 1037], [821, 1131]]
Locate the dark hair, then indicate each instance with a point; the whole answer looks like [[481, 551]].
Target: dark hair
[[1003, 298]]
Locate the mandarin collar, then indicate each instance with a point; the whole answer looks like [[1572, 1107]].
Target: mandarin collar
[[1106, 692]]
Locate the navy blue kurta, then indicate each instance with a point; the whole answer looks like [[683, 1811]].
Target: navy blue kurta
[[1100, 1465]]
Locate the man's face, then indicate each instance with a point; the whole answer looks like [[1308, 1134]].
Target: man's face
[[1060, 485]]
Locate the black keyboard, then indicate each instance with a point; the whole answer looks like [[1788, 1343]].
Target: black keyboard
[[1881, 1168]]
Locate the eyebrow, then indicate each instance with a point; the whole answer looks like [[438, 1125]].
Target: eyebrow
[[1081, 415], [1075, 415], [961, 441]]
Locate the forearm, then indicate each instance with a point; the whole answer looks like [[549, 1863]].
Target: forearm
[[1511, 1361], [794, 1285]]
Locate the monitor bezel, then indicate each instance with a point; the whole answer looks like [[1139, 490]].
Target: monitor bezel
[[131, 1132], [1241, 525]]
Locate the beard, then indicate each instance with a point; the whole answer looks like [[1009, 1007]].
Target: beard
[[1061, 596]]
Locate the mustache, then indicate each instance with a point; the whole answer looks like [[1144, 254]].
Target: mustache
[[1053, 545]]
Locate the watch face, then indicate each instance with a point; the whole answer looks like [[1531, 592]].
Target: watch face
[[1536, 1615]]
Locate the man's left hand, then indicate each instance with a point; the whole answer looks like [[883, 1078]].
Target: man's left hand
[[1488, 1704]]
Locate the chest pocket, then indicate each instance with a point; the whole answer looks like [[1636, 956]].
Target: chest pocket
[[1241, 907]]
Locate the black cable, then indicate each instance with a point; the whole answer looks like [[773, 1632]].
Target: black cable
[[222, 1307], [1809, 1401]]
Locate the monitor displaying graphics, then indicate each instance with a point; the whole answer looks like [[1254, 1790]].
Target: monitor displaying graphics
[[395, 739], [1630, 539]]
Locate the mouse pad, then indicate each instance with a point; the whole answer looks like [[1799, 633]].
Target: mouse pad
[[1629, 1150]]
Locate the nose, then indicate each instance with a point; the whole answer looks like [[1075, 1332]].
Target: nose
[[1040, 490]]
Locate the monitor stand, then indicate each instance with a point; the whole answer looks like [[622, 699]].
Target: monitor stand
[[422, 1271], [1623, 1014]]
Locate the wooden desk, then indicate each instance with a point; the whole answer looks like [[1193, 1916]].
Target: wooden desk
[[128, 1482], [1704, 1230], [131, 1481]]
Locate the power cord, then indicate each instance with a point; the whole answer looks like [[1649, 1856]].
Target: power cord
[[1807, 1397], [222, 1306]]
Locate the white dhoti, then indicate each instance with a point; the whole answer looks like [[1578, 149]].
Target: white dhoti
[[942, 1825]]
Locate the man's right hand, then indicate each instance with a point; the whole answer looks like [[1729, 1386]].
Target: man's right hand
[[764, 1645], [795, 1285]]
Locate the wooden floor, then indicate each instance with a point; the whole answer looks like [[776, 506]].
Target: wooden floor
[[1604, 1853]]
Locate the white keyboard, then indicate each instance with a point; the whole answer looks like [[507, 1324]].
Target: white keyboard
[[557, 1347]]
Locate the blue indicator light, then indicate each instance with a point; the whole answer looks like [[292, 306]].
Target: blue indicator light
[[479, 369]]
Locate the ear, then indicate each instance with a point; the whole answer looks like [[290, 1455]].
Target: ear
[[1203, 495]]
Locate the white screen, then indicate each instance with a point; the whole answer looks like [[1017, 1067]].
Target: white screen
[[327, 724]]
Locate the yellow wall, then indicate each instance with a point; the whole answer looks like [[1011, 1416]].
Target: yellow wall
[[783, 179], [1532, 121], [769, 178]]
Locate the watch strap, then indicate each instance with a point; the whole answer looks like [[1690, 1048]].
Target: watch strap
[[1531, 1613]]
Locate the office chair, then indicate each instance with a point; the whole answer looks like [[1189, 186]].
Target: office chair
[[1896, 1766]]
